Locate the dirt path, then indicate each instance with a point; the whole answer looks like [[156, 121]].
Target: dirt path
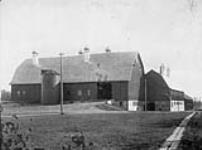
[[173, 140]]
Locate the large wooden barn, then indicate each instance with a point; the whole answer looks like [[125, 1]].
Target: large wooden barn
[[161, 97], [86, 77]]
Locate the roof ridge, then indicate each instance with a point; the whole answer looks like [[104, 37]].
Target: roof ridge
[[77, 55]]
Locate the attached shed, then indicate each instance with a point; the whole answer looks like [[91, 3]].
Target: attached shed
[[176, 100], [161, 97], [189, 104], [114, 76], [158, 92]]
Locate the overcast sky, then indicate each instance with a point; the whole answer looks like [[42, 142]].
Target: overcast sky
[[163, 31]]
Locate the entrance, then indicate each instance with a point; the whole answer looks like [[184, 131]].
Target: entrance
[[151, 106], [104, 90]]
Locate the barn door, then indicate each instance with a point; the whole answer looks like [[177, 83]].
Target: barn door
[[104, 90], [151, 106]]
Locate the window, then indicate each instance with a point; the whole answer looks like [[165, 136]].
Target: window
[[134, 103], [18, 93], [88, 92], [23, 92], [79, 93]]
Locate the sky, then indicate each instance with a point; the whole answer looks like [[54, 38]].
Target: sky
[[168, 31]]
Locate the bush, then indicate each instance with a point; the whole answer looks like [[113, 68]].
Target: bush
[[13, 137]]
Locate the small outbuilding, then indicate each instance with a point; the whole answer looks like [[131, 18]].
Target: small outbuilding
[[161, 97]]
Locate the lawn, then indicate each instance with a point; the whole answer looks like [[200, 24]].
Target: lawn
[[192, 137], [118, 131]]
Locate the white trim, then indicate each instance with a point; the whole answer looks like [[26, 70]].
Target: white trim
[[132, 105], [176, 105]]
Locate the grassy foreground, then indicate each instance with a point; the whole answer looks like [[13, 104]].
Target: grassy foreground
[[116, 131], [192, 138]]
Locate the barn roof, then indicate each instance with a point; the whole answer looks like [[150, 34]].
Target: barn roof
[[165, 82], [187, 97], [111, 66], [176, 94]]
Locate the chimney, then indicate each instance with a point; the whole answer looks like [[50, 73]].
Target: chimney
[[108, 50], [86, 54], [80, 52], [35, 58]]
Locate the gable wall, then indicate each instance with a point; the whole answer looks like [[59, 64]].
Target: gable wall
[[157, 89], [136, 84]]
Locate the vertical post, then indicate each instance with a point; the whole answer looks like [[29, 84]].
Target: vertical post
[[1, 136], [61, 84], [145, 92]]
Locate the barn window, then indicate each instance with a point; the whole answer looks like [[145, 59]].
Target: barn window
[[89, 92], [18, 92], [68, 92], [79, 93], [23, 92], [134, 103]]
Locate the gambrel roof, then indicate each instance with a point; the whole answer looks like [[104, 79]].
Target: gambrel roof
[[115, 66]]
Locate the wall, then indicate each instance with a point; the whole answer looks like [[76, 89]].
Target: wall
[[50, 87], [28, 93], [162, 105], [177, 105], [120, 90], [158, 92], [132, 105], [188, 104], [177, 95], [88, 91], [136, 84], [157, 88], [80, 92]]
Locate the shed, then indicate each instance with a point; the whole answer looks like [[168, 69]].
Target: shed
[[162, 97]]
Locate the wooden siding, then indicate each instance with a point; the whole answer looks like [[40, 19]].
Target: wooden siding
[[28, 93], [80, 91], [136, 84], [176, 95], [50, 88], [120, 90], [157, 89], [188, 104], [162, 105], [89, 92]]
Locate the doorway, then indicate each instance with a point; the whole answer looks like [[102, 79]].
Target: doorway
[[104, 90], [151, 106]]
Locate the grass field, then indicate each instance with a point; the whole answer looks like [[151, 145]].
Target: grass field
[[118, 131], [192, 138]]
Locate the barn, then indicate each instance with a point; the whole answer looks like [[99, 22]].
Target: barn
[[116, 76], [161, 97]]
